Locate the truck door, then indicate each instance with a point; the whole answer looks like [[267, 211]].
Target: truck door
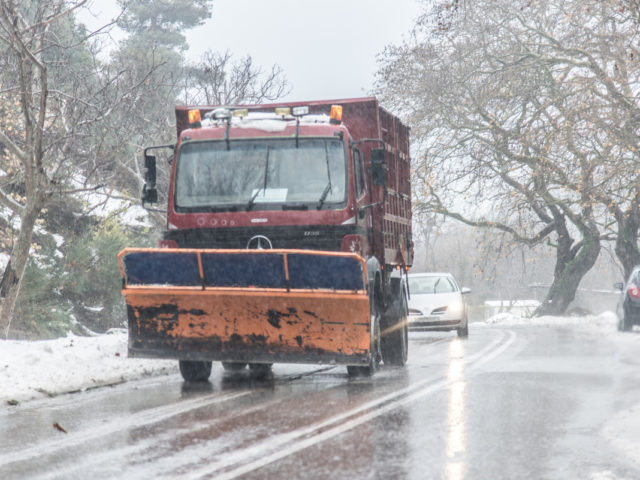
[[363, 214], [359, 187]]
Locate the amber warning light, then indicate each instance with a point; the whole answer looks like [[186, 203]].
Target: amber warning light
[[194, 118], [336, 114]]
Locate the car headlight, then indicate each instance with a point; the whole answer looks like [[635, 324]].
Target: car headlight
[[455, 307]]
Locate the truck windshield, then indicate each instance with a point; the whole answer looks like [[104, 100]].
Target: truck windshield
[[260, 174]]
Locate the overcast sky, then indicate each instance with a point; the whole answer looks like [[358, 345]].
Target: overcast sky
[[326, 48]]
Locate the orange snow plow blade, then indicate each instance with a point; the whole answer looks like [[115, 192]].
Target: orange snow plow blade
[[256, 306]]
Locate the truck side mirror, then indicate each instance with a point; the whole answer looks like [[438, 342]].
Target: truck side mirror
[[149, 192], [378, 167]]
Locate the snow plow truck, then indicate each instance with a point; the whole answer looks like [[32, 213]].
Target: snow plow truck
[[288, 239]]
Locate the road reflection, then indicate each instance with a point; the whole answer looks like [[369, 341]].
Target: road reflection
[[456, 439]]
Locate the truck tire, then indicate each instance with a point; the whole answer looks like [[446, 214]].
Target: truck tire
[[394, 341], [195, 370], [376, 355], [233, 366], [394, 344], [260, 370]]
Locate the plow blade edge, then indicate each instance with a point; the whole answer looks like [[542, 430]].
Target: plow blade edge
[[256, 306]]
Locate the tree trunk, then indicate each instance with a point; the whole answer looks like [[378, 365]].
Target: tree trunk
[[572, 263], [627, 241], [14, 272]]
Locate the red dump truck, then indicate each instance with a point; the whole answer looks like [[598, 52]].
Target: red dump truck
[[288, 237]]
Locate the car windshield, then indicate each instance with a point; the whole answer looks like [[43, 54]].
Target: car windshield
[[431, 284], [260, 173]]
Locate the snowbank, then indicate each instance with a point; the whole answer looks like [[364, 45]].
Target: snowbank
[[31, 370], [606, 321]]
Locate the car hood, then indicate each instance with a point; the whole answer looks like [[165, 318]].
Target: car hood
[[426, 302]]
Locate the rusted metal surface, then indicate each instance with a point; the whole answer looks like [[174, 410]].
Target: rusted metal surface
[[249, 324]]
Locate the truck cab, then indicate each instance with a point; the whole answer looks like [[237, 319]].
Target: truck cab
[[295, 182]]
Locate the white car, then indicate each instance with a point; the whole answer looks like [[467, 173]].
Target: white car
[[436, 303]]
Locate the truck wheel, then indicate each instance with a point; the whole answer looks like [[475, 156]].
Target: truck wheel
[[260, 370], [374, 361], [395, 337], [394, 343], [233, 366], [195, 370]]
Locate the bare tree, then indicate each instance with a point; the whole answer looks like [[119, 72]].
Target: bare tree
[[525, 110], [217, 80], [59, 96], [632, 7]]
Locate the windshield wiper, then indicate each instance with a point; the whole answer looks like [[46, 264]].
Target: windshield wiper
[[327, 189], [252, 201], [323, 197]]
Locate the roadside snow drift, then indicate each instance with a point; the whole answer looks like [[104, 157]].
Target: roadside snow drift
[[37, 369]]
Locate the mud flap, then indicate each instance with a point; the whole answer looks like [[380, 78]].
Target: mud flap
[[256, 306]]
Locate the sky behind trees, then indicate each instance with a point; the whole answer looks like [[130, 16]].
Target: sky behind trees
[[326, 48]]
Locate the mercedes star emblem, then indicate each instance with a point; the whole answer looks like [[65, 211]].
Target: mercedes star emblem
[[259, 242]]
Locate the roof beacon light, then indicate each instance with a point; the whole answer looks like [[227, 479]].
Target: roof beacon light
[[221, 114], [284, 111], [299, 111], [241, 112], [336, 114], [194, 118]]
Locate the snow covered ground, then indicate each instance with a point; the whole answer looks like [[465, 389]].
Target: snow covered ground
[[607, 322], [32, 370]]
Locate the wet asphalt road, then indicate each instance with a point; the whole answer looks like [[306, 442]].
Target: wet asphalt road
[[511, 402]]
